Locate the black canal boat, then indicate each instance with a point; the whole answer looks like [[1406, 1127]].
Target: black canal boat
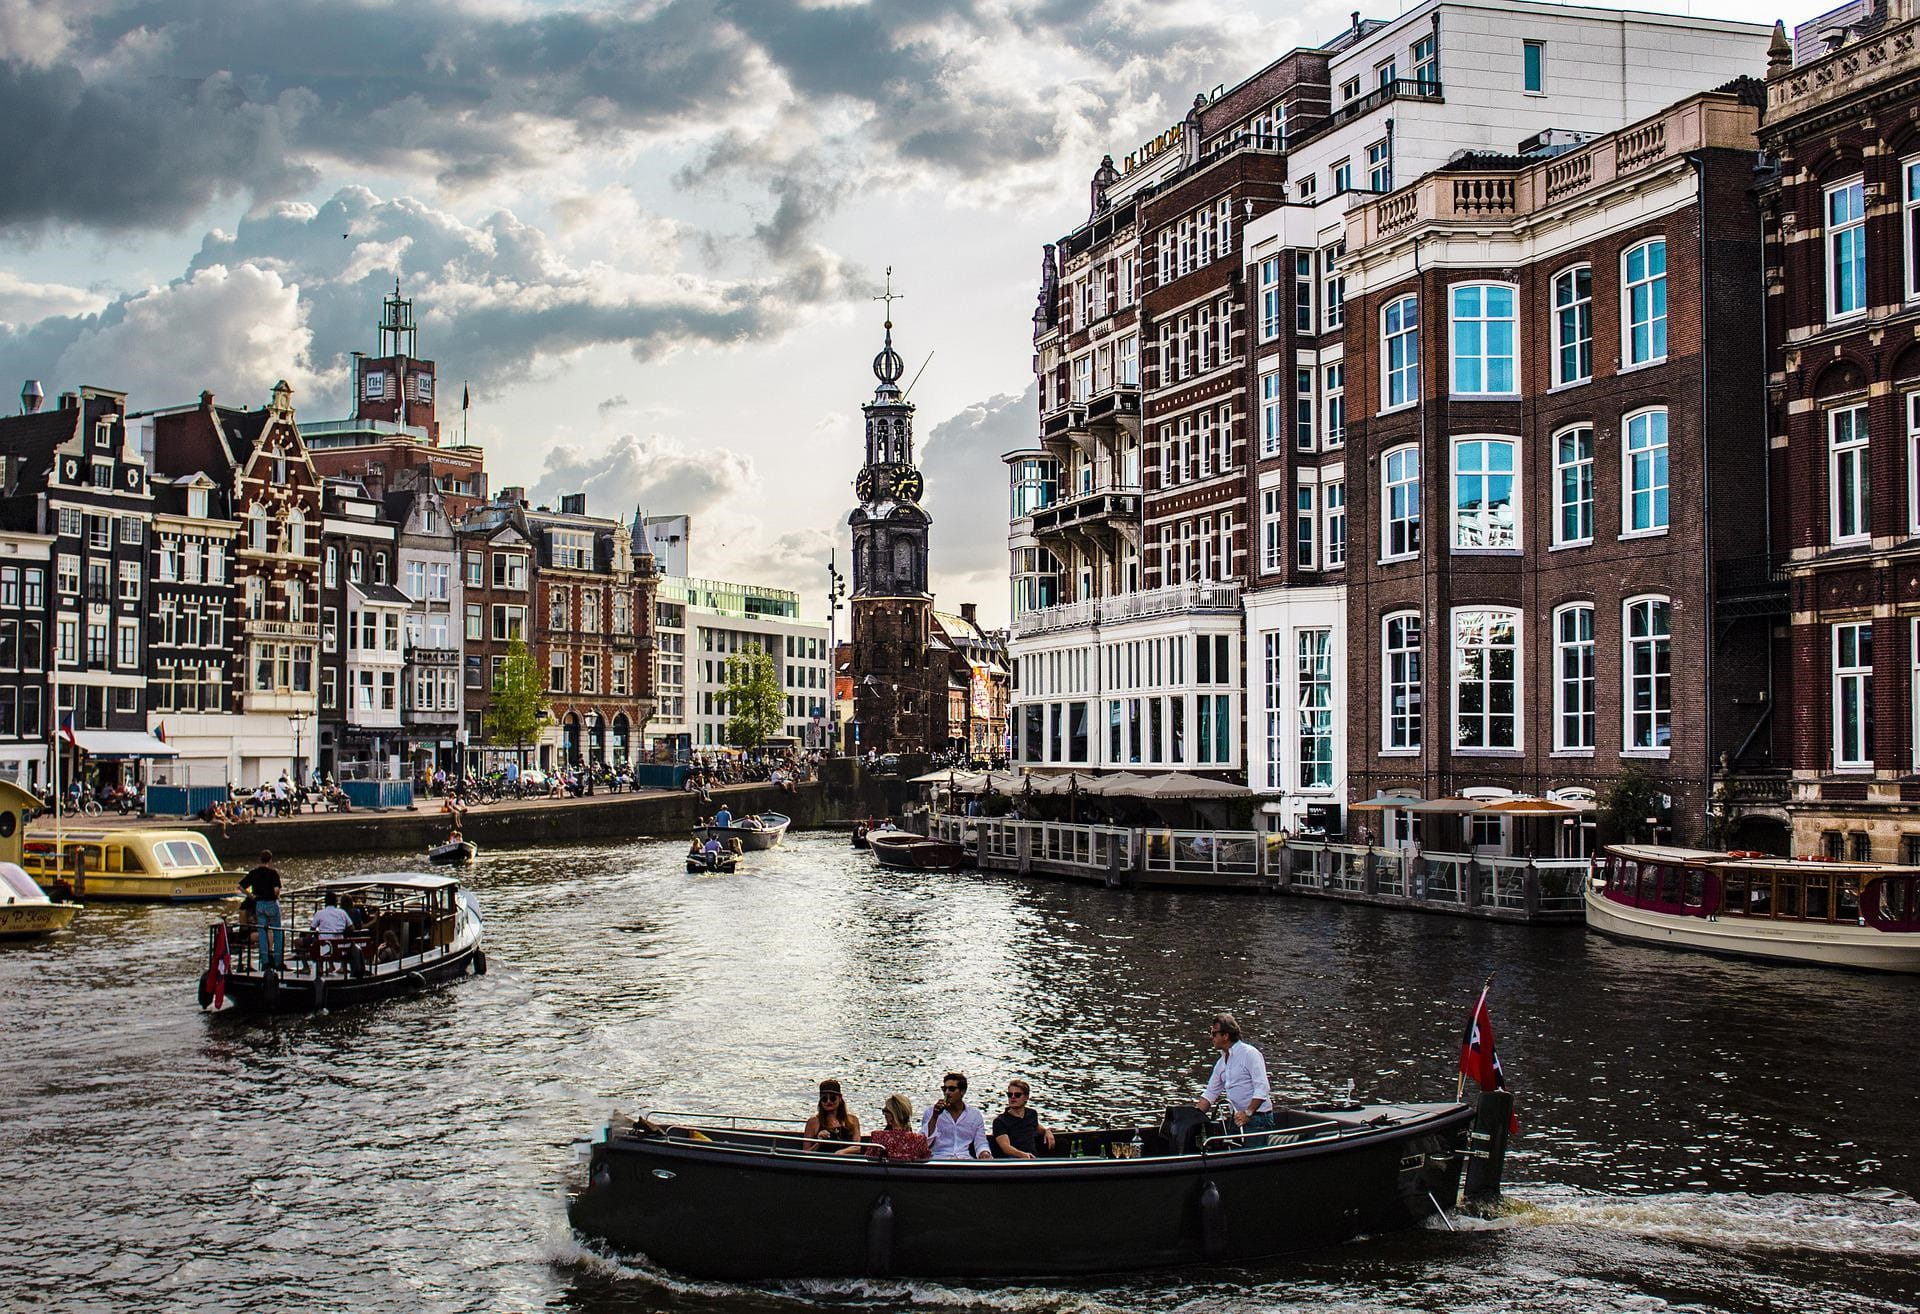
[[732, 1198]]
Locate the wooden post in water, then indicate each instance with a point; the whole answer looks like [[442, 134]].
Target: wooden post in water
[[1487, 1152], [79, 869]]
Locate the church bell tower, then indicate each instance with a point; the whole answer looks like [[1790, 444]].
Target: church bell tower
[[899, 687]]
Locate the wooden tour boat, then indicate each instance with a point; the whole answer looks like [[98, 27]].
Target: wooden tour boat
[[768, 834], [1799, 910], [420, 930], [25, 910], [155, 866], [736, 1198], [906, 851]]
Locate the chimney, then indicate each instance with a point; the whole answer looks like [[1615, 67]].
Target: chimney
[[69, 401], [31, 397], [513, 495], [970, 613], [573, 504]]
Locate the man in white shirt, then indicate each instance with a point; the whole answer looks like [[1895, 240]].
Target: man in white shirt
[[954, 1130], [1240, 1075], [332, 921]]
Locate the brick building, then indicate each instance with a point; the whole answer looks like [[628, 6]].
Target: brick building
[[1842, 312], [1555, 392]]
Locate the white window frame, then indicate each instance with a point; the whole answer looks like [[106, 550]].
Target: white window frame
[[1486, 716], [1844, 241], [1333, 288], [1575, 689], [1660, 480], [1486, 475], [1910, 223], [1913, 693], [1487, 359], [1380, 164], [1270, 298], [1400, 378], [1390, 459], [1333, 404], [1333, 528], [1273, 530], [1270, 411], [1849, 517], [1912, 400], [1577, 467], [1306, 428], [1314, 721], [1274, 669], [1305, 535], [1655, 325], [1402, 667], [1659, 680], [1856, 680], [1572, 327]]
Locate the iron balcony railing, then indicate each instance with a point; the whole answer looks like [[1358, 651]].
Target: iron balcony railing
[[1173, 600]]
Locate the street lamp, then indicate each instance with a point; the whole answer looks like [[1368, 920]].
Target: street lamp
[[299, 720]]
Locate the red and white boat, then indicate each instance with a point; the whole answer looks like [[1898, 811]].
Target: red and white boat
[[1795, 910]]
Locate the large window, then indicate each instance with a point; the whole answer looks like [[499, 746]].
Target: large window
[[1644, 291], [1853, 695], [1910, 224], [1644, 479], [1483, 340], [1484, 512], [1846, 249], [1847, 475], [1400, 347], [1333, 505], [1573, 326], [1400, 500], [1573, 720], [1486, 680], [1649, 683], [1270, 413], [1333, 404], [1274, 668], [1573, 486], [1401, 650], [1315, 708], [1273, 530]]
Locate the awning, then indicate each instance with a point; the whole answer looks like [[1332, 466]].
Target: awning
[[122, 743], [1382, 802], [1456, 806], [1532, 807]]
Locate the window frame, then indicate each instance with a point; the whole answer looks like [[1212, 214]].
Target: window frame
[[1845, 240], [1486, 476], [1561, 468], [1402, 731], [1486, 357], [1388, 520], [1533, 68], [1515, 620], [1910, 225], [1855, 450], [1629, 288], [1405, 340], [1629, 489], [1630, 676], [1584, 681], [1840, 676], [1580, 307]]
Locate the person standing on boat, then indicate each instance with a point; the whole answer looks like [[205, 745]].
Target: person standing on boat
[[1240, 1076], [723, 818], [263, 883], [956, 1131]]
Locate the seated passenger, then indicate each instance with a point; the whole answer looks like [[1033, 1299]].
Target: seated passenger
[[832, 1127], [956, 1131], [723, 818], [694, 849], [331, 920], [712, 846], [1017, 1133], [898, 1141]]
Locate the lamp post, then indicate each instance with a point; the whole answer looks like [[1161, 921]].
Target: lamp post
[[299, 720]]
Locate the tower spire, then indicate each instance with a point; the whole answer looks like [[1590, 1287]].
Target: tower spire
[[887, 366]]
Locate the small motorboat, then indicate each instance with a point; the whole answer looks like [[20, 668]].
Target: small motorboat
[[711, 863], [25, 910], [454, 853], [905, 851], [737, 1198], [859, 835], [420, 929], [770, 830]]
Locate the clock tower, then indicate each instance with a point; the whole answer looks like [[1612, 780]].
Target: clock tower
[[899, 682]]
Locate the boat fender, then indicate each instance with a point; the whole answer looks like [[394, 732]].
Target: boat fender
[[1213, 1221], [880, 1238], [479, 963], [418, 981]]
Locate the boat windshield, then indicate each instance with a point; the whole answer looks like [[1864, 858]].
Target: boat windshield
[[18, 883], [178, 853]]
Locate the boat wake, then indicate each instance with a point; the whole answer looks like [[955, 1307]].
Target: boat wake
[[1882, 1223]]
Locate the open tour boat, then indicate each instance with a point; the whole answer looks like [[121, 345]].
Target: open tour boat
[[1801, 910]]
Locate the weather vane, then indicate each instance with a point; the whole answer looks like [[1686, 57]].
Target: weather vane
[[890, 296]]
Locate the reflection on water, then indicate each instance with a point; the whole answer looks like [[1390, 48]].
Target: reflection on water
[[1699, 1134]]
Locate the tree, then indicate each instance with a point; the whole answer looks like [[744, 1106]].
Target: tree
[[1633, 797], [519, 708], [755, 703]]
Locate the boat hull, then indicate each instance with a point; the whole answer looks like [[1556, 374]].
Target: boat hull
[[718, 868], [751, 839], [916, 853], [301, 994], [206, 887], [730, 1213], [1820, 944], [27, 921], [453, 855]]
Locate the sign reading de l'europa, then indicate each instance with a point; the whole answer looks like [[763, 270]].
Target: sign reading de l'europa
[[1166, 141]]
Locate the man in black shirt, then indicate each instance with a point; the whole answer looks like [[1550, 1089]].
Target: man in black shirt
[[1017, 1133], [263, 883]]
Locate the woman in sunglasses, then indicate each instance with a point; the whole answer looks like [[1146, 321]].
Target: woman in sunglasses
[[833, 1127]]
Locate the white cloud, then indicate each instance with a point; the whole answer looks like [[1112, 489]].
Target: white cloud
[[23, 302]]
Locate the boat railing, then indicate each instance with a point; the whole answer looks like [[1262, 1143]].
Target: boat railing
[[1461, 880], [1326, 1129], [409, 937]]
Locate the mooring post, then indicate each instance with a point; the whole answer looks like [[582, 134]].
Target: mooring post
[[1487, 1152]]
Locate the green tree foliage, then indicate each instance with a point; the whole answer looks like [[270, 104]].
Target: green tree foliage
[[519, 707], [753, 698], [1629, 801]]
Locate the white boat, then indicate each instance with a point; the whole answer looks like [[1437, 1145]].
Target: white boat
[[1749, 905], [25, 911]]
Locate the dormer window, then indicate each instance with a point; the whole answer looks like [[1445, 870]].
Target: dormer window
[[103, 433], [197, 503]]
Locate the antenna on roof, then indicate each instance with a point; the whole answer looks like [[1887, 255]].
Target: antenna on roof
[[916, 376]]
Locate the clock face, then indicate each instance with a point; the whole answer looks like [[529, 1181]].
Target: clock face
[[863, 485], [908, 485]]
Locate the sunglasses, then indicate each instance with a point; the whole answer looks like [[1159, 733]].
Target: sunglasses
[[949, 1088], [1016, 1094], [829, 1096]]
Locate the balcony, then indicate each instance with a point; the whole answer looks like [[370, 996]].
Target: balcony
[[1099, 520], [1749, 587], [1398, 89], [1202, 596], [432, 656], [290, 631]]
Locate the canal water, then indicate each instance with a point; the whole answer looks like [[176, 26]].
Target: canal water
[[1697, 1134]]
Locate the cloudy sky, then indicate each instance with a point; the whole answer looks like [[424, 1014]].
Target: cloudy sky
[[646, 232]]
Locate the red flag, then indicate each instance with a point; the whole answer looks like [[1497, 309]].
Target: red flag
[[214, 984], [1477, 1057]]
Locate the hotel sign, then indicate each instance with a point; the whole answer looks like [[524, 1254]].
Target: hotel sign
[[1148, 151]]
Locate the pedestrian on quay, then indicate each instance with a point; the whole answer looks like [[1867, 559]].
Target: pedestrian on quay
[[263, 884], [1239, 1077]]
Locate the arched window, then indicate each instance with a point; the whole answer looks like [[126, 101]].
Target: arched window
[[1400, 502], [1647, 663], [1573, 716], [1486, 510], [1486, 679], [1485, 325], [1400, 712]]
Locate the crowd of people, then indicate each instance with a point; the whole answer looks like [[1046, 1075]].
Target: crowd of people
[[951, 1128]]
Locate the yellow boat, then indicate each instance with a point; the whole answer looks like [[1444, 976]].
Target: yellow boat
[[25, 911], [155, 866]]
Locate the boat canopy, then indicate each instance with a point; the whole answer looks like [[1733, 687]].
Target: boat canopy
[[403, 880], [18, 886]]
